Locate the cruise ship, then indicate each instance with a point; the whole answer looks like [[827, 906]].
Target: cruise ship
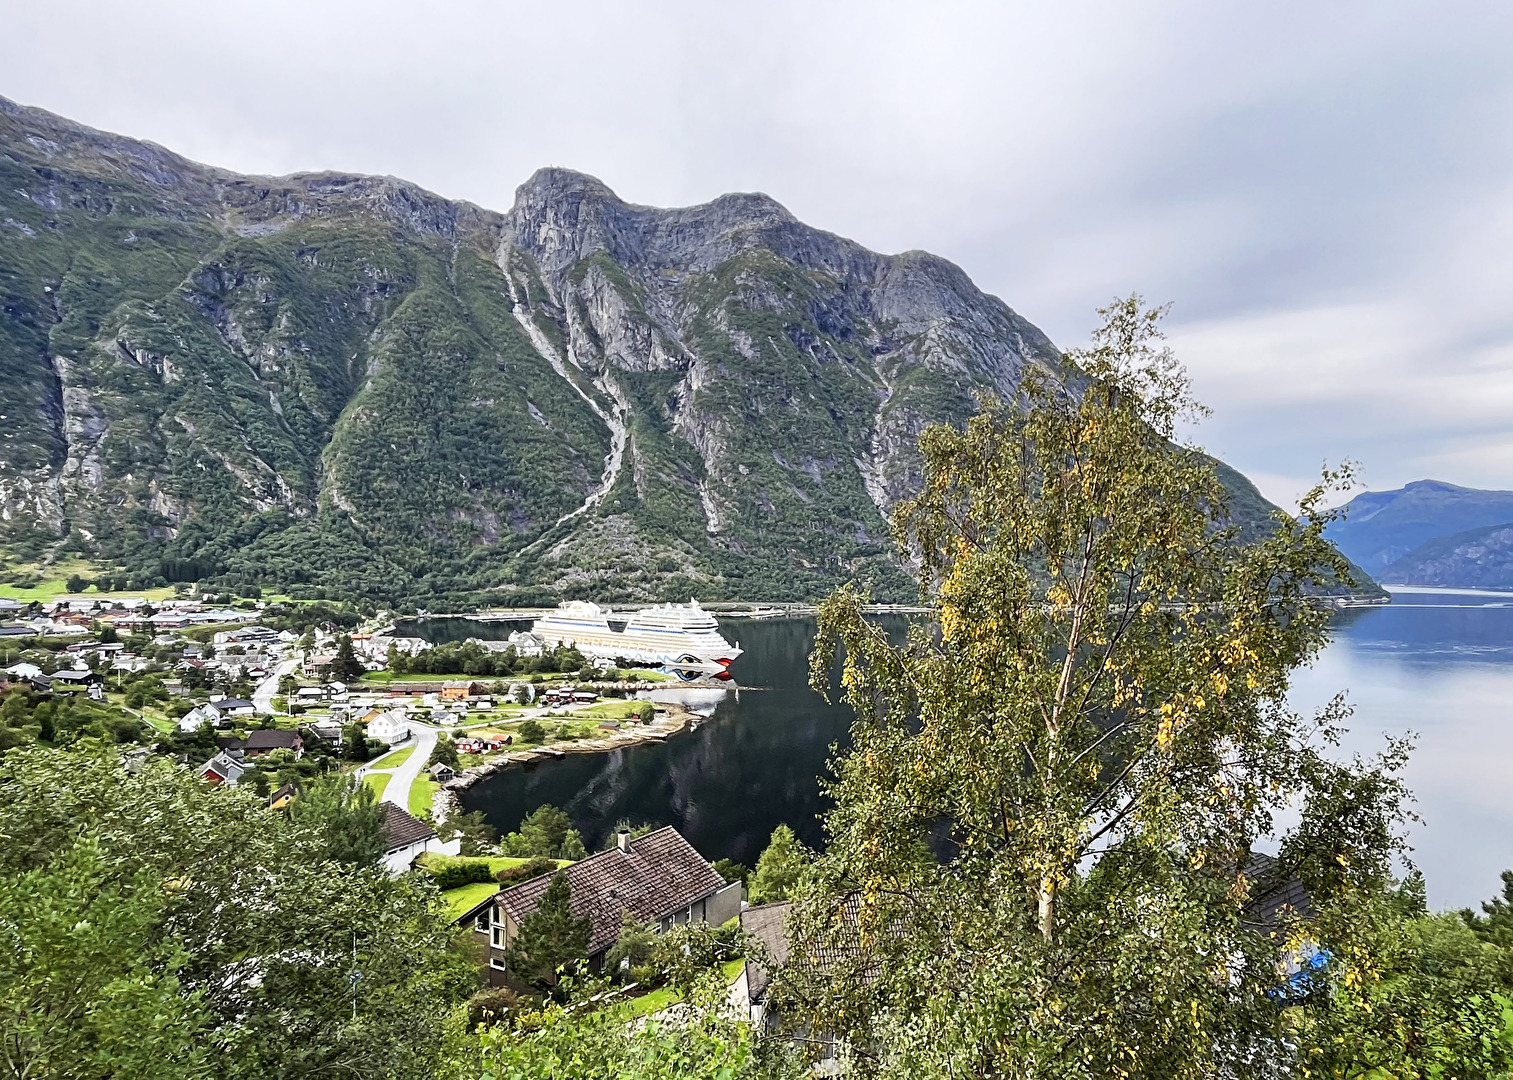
[[683, 638]]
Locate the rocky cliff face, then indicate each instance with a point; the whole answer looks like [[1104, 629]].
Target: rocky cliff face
[[348, 383]]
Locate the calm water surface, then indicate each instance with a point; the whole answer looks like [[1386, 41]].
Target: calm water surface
[[1438, 664]]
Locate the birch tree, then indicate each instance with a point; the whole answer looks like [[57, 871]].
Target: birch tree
[[1037, 858]]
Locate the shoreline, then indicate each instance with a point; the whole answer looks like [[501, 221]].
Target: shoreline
[[678, 720]]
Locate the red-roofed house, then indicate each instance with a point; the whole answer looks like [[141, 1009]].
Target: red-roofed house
[[659, 878]]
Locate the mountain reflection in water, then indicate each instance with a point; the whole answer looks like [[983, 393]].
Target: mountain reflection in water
[[1439, 664]]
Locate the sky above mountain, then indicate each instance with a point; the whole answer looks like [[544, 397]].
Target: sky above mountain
[[1323, 192]]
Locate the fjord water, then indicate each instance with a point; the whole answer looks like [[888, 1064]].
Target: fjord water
[[1435, 663]]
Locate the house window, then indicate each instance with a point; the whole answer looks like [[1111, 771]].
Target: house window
[[481, 924], [496, 963], [498, 939]]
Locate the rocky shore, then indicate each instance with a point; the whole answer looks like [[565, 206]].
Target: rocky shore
[[671, 719]]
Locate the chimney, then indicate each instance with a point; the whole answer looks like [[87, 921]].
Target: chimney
[[622, 840]]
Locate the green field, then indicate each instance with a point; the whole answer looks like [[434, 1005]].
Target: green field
[[53, 588], [377, 783], [393, 760], [421, 792]]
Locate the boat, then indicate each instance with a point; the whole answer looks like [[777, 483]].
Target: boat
[[681, 638]]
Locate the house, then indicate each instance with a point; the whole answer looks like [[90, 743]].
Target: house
[[325, 731], [460, 691], [23, 672], [191, 721], [306, 695], [847, 955], [527, 644], [230, 706], [390, 727], [282, 797], [65, 680], [259, 743], [223, 769], [317, 662], [441, 772], [407, 836], [659, 878]]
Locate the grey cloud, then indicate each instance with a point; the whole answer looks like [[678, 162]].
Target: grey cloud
[[1324, 191]]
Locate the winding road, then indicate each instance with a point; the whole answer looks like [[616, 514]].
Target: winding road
[[402, 778]]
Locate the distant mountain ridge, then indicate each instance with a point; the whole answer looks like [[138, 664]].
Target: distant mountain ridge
[[1384, 529], [349, 384], [1475, 559]]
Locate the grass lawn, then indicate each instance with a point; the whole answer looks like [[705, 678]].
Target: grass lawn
[[53, 588], [658, 1000], [614, 709], [421, 792], [463, 899], [377, 783], [387, 677], [393, 760]]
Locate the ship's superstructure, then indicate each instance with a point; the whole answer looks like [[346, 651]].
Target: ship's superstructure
[[680, 637]]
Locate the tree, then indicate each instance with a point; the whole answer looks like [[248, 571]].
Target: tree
[[1037, 860], [346, 667], [76, 584], [577, 1040], [348, 816], [162, 918], [288, 686], [572, 846], [778, 867], [356, 746], [477, 836], [532, 732], [731, 870], [544, 831], [444, 752], [85, 975], [630, 957], [551, 938]]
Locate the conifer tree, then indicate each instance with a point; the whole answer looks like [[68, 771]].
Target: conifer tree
[[550, 937], [778, 868]]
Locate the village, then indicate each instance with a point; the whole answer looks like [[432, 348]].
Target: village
[[273, 708]]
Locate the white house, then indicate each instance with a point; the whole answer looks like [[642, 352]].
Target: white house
[[390, 727], [408, 837], [526, 643], [23, 671], [200, 714]]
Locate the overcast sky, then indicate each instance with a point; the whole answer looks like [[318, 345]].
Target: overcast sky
[[1324, 191]]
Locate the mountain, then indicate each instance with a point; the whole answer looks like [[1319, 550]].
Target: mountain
[[1380, 528], [345, 385], [1474, 559]]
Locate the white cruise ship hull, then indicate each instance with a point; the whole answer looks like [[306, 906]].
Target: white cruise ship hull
[[681, 640]]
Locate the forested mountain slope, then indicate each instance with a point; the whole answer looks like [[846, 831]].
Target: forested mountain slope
[[349, 384], [1475, 559]]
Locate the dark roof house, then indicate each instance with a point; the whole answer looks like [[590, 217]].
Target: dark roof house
[[403, 829], [658, 878], [263, 742]]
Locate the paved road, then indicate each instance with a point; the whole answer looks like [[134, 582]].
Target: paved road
[[267, 690], [401, 779]]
